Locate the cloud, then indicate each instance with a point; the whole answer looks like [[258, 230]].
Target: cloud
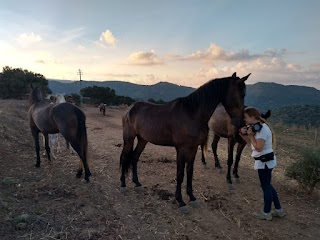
[[144, 58], [217, 53], [107, 38], [26, 39], [48, 61]]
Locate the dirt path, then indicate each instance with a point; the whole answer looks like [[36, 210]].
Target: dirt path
[[58, 206]]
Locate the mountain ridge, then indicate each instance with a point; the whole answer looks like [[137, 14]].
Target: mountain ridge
[[264, 95]]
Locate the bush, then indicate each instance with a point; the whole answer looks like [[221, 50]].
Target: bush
[[306, 170]]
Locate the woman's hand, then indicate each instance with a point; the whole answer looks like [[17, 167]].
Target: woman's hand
[[250, 132], [243, 131]]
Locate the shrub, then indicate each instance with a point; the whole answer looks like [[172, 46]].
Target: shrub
[[306, 170]]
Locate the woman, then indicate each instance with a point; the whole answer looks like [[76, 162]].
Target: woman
[[258, 133]]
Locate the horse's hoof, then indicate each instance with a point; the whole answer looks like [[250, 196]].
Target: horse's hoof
[[37, 165], [85, 180], [230, 186], [184, 210], [237, 180], [79, 174], [195, 204], [123, 189], [138, 189]]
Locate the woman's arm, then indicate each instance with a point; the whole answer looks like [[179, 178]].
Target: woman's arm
[[258, 144]]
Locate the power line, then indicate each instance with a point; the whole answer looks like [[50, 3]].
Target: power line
[[80, 73]]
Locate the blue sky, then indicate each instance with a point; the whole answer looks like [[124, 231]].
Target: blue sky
[[183, 42]]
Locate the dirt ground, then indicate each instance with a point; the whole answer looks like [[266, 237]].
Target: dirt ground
[[50, 203]]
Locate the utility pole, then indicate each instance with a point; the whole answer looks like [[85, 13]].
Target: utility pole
[[80, 73]]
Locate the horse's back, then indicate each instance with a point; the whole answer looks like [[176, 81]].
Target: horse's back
[[220, 123]]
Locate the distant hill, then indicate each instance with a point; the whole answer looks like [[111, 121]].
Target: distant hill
[[162, 90], [262, 95], [274, 96], [306, 115]]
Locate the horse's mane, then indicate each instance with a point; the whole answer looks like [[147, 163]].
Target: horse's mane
[[205, 96]]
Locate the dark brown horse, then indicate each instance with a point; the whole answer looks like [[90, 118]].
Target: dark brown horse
[[65, 118], [220, 124], [181, 123]]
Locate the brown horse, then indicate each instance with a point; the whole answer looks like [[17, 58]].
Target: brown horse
[[65, 118], [220, 124], [181, 123]]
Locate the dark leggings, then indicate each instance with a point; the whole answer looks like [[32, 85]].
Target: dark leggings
[[269, 193]]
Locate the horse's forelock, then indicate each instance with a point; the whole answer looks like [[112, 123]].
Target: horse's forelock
[[35, 95]]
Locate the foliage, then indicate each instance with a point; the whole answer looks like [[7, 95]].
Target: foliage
[[306, 170], [105, 95], [16, 83], [76, 98], [298, 115], [98, 94]]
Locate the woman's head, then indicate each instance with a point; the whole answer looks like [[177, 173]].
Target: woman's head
[[252, 115]]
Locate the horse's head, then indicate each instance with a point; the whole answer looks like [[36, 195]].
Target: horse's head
[[35, 96], [233, 101]]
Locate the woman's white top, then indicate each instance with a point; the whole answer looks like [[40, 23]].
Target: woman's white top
[[266, 135]]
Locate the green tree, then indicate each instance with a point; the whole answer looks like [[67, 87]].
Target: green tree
[[16, 83], [99, 94]]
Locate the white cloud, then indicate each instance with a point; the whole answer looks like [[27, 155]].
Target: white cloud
[[26, 39], [107, 38], [144, 58], [217, 53]]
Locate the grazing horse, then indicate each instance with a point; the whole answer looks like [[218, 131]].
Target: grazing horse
[[181, 123], [65, 118], [220, 124], [102, 108]]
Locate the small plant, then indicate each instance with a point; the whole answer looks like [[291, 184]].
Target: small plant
[[306, 170]]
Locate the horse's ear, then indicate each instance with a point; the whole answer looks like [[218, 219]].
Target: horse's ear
[[246, 77], [268, 114], [234, 75]]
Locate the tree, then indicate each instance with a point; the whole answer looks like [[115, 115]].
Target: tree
[[98, 94], [16, 83]]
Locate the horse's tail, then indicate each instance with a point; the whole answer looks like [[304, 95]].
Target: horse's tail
[[205, 146], [126, 154], [82, 133]]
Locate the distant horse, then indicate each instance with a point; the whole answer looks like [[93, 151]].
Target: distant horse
[[102, 108], [181, 123], [65, 118], [220, 124]]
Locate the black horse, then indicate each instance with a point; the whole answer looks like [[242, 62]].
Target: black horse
[[181, 123], [220, 125], [65, 118]]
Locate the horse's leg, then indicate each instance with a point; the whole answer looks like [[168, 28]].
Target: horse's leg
[[125, 160], [135, 157], [47, 146], [231, 143], [58, 143], [190, 164], [214, 146], [240, 148], [203, 159], [35, 134], [181, 158], [79, 149]]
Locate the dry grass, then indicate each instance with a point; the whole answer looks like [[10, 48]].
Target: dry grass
[[50, 203]]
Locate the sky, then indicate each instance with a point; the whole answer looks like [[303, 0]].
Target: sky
[[185, 42]]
